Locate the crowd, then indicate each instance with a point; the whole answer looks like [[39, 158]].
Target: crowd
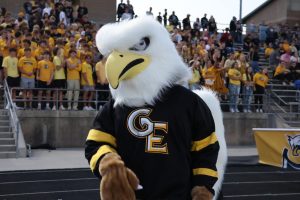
[[51, 44]]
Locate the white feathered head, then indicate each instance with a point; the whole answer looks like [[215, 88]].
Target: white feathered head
[[142, 60]]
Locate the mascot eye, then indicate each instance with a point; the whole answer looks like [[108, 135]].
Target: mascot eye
[[142, 45]]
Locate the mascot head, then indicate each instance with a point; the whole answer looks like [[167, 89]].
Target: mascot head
[[142, 61]]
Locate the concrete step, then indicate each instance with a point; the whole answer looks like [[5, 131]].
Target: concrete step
[[8, 154], [6, 135], [7, 141], [4, 117], [3, 111], [4, 148], [4, 123], [5, 128]]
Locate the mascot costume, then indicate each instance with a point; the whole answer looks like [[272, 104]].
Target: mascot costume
[[154, 139]]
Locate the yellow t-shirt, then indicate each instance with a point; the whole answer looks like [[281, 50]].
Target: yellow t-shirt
[[73, 74], [11, 65], [100, 69], [268, 51], [279, 70], [87, 68], [209, 72], [21, 53], [236, 73], [260, 79], [58, 74], [196, 77], [46, 69], [28, 65], [4, 49]]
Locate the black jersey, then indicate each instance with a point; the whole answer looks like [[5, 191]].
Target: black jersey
[[171, 146]]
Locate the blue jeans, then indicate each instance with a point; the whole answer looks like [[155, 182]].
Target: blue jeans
[[234, 92], [247, 97]]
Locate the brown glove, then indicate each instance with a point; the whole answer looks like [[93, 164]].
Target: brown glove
[[118, 182], [201, 193]]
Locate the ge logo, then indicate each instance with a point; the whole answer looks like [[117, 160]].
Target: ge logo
[[148, 129]]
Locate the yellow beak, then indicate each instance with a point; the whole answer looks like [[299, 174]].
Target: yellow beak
[[124, 66]]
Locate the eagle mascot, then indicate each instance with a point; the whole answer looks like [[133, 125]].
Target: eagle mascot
[[155, 139]]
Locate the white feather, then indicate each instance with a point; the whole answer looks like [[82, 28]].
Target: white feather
[[213, 103], [166, 67]]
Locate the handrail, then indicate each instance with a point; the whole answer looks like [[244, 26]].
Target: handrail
[[9, 104]]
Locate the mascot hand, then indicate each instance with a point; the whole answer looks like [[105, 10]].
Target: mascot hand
[[201, 193], [118, 182]]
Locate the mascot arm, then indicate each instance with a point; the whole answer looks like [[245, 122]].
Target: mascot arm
[[204, 152], [117, 181]]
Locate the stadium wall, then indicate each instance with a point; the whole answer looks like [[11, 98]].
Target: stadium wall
[[69, 129]]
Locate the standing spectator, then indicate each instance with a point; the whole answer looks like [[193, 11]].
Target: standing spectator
[[274, 58], [235, 78], [149, 12], [165, 16], [260, 80], [45, 72], [159, 17], [102, 83], [59, 81], [247, 89], [62, 15], [186, 23], [212, 25], [69, 12], [204, 22], [233, 28], [27, 67], [87, 82], [173, 20], [120, 10], [130, 9], [254, 58], [73, 79], [239, 31], [126, 15], [82, 10], [262, 32], [11, 73], [197, 24]]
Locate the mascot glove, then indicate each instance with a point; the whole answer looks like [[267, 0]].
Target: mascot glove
[[118, 182], [201, 193]]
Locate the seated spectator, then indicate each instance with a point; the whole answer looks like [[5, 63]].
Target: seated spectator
[[87, 82], [235, 78], [44, 76], [27, 66], [282, 72], [260, 81], [269, 50]]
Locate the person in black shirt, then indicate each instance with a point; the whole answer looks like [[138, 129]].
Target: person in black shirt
[[159, 18], [82, 10], [204, 22], [165, 17], [120, 10], [186, 23]]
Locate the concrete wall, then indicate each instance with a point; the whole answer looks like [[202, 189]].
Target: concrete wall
[[64, 129], [275, 12], [100, 11]]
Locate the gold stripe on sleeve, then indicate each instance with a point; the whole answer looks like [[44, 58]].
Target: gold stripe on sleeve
[[201, 144], [205, 171], [100, 136], [101, 151]]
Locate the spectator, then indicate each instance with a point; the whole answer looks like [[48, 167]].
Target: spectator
[[239, 32], [149, 12], [82, 10], [73, 77], [165, 16], [27, 66], [102, 83], [204, 22], [247, 89], [120, 10], [233, 27], [235, 78], [130, 9], [186, 23], [173, 20], [194, 83], [274, 58], [197, 24], [87, 82], [269, 50], [159, 17], [282, 73], [44, 76], [11, 74], [254, 58], [59, 81], [212, 25], [126, 15], [260, 80]]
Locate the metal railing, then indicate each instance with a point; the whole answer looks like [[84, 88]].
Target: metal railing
[[14, 120]]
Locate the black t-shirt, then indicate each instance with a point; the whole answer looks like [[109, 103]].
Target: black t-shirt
[[69, 12], [157, 143], [82, 11]]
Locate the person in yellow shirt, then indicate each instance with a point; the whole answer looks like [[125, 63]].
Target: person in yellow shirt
[[27, 66], [260, 80], [73, 65], [209, 74], [59, 81], [44, 76], [87, 82], [235, 78], [269, 50], [101, 83], [282, 72], [21, 51], [40, 50], [11, 73]]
